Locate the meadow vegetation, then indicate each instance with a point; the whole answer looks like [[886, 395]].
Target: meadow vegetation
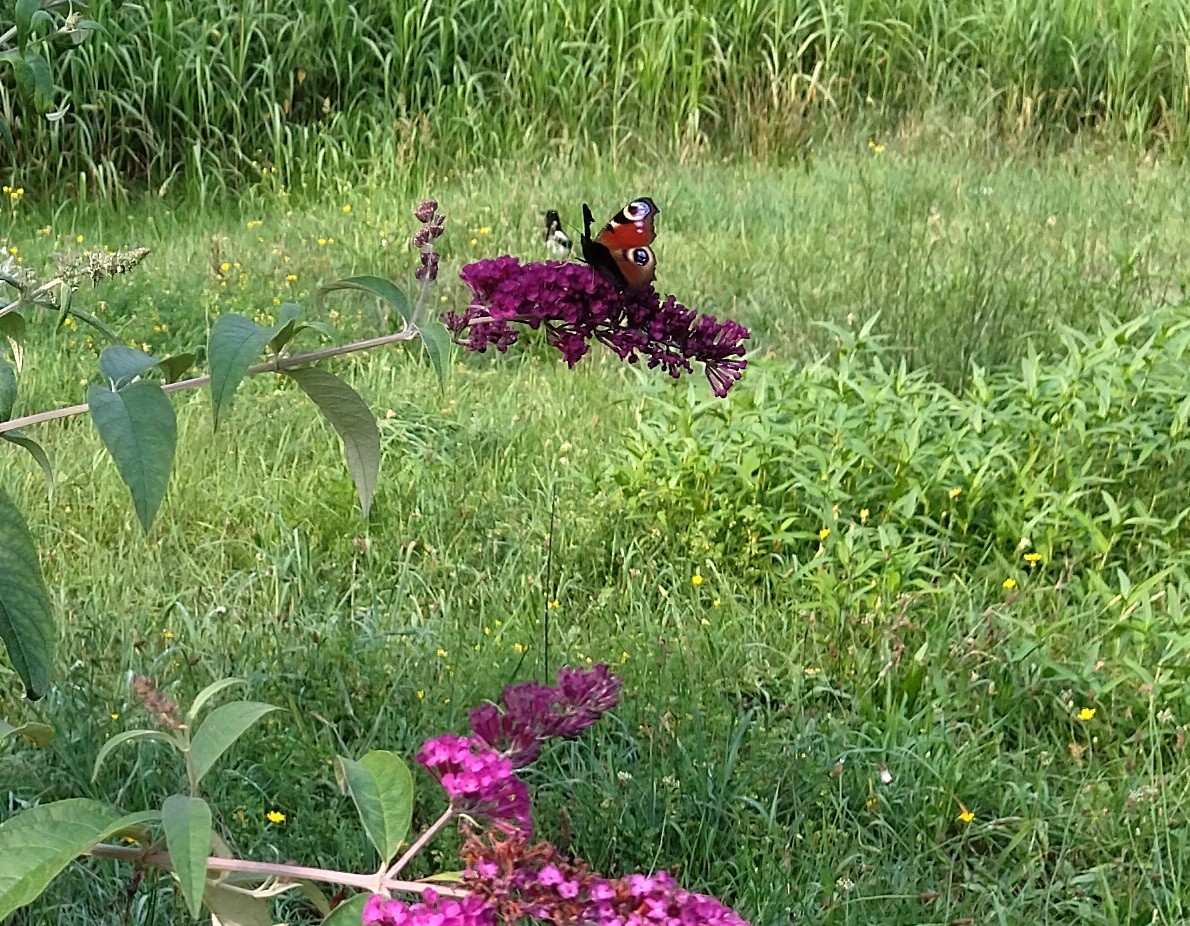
[[903, 621]]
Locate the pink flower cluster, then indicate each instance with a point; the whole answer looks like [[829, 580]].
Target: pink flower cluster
[[532, 713], [477, 780], [432, 911], [522, 880], [575, 305]]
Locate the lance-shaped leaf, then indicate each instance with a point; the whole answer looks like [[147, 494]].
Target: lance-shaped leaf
[[129, 736], [209, 692], [382, 788], [120, 363], [36, 844], [35, 451], [26, 618], [232, 906], [350, 416], [175, 366], [436, 341], [138, 427], [234, 344], [8, 388], [379, 287], [35, 734], [187, 824], [223, 726]]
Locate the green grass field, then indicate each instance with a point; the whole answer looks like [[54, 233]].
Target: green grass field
[[858, 524], [904, 621]]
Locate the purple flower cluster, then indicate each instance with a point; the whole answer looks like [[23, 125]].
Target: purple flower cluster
[[575, 305], [519, 880], [532, 712], [432, 911], [433, 224], [477, 780]]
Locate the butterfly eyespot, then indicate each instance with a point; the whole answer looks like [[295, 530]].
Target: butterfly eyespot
[[640, 256], [636, 210]]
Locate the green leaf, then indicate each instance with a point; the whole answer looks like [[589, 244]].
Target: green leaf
[[382, 788], [287, 325], [209, 692], [18, 437], [350, 416], [349, 913], [12, 326], [43, 80], [383, 289], [436, 340], [187, 822], [26, 618], [36, 844], [230, 906], [35, 734], [175, 367], [138, 427], [23, 14], [234, 344], [120, 363], [128, 736], [8, 388], [223, 726], [6, 133]]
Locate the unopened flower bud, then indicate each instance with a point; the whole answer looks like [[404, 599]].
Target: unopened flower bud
[[428, 271], [425, 211]]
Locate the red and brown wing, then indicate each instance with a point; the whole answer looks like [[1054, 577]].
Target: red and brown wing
[[631, 227], [621, 253]]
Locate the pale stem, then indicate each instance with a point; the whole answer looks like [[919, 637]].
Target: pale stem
[[276, 365], [420, 842], [374, 883]]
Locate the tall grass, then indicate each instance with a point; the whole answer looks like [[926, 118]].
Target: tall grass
[[207, 91]]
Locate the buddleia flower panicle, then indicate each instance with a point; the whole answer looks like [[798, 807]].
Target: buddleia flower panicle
[[575, 306], [520, 879], [163, 710], [478, 782], [432, 911], [531, 713]]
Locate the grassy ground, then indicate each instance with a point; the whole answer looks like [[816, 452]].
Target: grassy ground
[[854, 617]]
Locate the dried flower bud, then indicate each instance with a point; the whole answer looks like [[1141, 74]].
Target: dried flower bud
[[425, 211], [428, 271], [437, 226], [97, 265], [422, 237], [163, 711]]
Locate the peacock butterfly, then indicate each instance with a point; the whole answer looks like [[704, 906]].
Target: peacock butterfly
[[621, 253]]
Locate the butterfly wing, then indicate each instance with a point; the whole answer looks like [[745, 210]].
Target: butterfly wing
[[621, 253], [632, 226]]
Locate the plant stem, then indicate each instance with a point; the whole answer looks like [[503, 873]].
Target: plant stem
[[420, 842], [278, 364], [373, 883]]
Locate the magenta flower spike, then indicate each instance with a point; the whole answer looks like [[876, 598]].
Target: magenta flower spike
[[575, 306]]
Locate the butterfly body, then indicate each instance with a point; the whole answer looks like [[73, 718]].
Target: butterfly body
[[620, 253]]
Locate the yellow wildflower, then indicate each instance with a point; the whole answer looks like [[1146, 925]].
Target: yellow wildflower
[[275, 816], [484, 230], [864, 514], [167, 635], [955, 492], [114, 715], [225, 266], [347, 208], [440, 653], [1087, 713], [696, 579], [1032, 558], [552, 603], [1010, 583], [78, 239], [824, 533], [965, 815]]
